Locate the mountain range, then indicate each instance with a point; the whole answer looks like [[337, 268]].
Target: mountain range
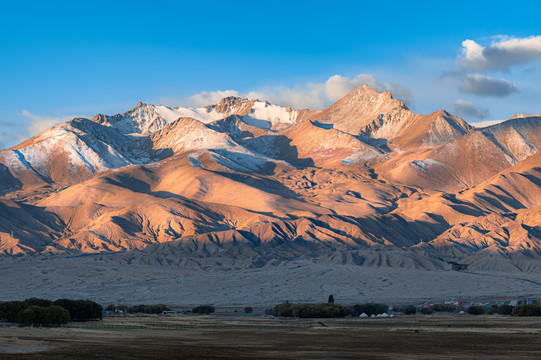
[[245, 183]]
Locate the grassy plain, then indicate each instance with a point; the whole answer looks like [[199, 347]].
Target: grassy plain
[[240, 336]]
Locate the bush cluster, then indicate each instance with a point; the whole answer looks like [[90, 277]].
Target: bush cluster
[[203, 309], [494, 309], [41, 311], [527, 310], [323, 310]]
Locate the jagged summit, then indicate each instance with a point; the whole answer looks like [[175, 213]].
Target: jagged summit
[[373, 99], [232, 105]]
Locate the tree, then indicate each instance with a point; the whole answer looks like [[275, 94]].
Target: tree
[[10, 309], [38, 302], [331, 299], [38, 315], [248, 310], [476, 310], [81, 310]]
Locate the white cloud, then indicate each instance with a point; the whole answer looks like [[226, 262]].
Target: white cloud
[[38, 123], [309, 96], [483, 85], [466, 109], [205, 98], [503, 53]]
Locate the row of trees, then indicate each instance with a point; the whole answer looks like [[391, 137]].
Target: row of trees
[[46, 312], [328, 310]]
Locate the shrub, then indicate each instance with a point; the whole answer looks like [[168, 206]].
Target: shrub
[[505, 309], [203, 309], [409, 310], [476, 310], [369, 309], [248, 310], [283, 310], [81, 310], [427, 310], [37, 315]]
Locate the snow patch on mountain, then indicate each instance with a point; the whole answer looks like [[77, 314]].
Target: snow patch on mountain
[[267, 116], [201, 114]]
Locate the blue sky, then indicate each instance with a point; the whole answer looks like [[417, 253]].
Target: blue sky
[[479, 60]]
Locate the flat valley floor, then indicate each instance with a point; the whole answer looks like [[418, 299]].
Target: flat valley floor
[[117, 279], [254, 337]]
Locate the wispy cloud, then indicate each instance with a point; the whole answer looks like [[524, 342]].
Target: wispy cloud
[[466, 109], [308, 96], [483, 85], [38, 123], [502, 54]]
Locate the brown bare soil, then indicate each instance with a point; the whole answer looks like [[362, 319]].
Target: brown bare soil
[[252, 337]]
